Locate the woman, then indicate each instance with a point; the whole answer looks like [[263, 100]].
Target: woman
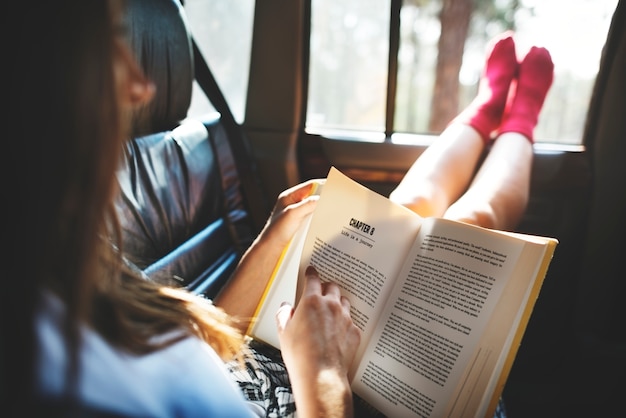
[[105, 339]]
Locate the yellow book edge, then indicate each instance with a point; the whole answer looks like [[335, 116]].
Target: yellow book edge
[[266, 291], [268, 287]]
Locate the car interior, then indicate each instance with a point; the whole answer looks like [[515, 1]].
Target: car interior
[[195, 191]]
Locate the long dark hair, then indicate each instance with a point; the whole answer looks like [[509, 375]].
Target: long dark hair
[[65, 142], [65, 139]]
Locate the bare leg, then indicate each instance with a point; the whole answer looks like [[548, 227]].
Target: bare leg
[[498, 196], [441, 173]]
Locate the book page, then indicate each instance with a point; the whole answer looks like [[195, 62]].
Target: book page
[[435, 319], [359, 240]]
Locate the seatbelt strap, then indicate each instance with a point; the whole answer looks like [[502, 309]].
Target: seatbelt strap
[[256, 199]]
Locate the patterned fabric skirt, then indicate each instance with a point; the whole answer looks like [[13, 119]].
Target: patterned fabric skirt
[[263, 380]]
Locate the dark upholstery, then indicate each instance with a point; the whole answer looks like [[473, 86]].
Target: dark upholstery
[[578, 366], [597, 376], [181, 207]]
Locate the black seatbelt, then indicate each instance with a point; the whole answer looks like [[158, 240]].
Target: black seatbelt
[[256, 199]]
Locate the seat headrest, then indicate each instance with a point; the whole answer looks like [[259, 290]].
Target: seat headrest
[[159, 37]]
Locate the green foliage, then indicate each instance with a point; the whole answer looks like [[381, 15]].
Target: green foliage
[[489, 17], [493, 16]]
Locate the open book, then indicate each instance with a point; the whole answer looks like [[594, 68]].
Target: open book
[[442, 305]]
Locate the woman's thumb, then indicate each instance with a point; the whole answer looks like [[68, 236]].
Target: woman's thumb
[[283, 315]]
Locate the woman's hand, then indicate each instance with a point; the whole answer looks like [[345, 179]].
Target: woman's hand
[[318, 342], [291, 208], [242, 293]]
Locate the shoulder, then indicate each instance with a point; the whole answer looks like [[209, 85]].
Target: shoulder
[[187, 378]]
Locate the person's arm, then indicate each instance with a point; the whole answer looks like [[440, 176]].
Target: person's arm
[[318, 343], [241, 295]]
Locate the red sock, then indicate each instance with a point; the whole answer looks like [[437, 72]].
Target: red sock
[[484, 113], [536, 72]]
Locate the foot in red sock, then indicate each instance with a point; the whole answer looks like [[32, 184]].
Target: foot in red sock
[[484, 113], [536, 72]]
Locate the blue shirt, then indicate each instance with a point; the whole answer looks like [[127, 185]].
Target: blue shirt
[[186, 379]]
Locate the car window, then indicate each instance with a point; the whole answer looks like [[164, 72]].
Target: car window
[[223, 32], [372, 63], [350, 42]]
